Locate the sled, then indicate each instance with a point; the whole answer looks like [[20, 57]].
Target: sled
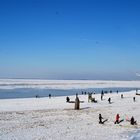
[[119, 121], [103, 121]]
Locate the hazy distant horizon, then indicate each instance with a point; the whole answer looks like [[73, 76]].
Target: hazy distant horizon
[[70, 79]]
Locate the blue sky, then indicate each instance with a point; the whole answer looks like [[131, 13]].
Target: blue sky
[[70, 39]]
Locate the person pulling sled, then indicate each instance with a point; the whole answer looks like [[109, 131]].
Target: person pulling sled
[[101, 119]]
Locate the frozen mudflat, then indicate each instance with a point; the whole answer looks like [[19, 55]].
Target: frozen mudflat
[[54, 119]]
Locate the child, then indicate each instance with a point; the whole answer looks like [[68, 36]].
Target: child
[[101, 119], [132, 121], [117, 119]]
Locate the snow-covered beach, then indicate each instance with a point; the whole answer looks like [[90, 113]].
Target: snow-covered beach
[[54, 119]]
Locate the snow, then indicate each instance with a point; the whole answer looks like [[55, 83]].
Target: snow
[[64, 84], [54, 119], [135, 136]]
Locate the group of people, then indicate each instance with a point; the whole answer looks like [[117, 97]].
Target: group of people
[[117, 120], [90, 98], [109, 99], [102, 95]]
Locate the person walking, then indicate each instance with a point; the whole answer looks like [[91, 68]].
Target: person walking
[[134, 99], [100, 119], [102, 94]]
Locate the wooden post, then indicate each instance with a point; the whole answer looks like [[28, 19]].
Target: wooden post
[[77, 103]]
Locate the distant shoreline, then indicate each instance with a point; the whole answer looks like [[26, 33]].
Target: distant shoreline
[[67, 79]]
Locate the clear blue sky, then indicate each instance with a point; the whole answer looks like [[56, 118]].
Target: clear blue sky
[[70, 39]]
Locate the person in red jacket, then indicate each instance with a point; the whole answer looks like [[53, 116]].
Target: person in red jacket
[[117, 119]]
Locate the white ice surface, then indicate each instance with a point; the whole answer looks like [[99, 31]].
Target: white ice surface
[[64, 84]]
